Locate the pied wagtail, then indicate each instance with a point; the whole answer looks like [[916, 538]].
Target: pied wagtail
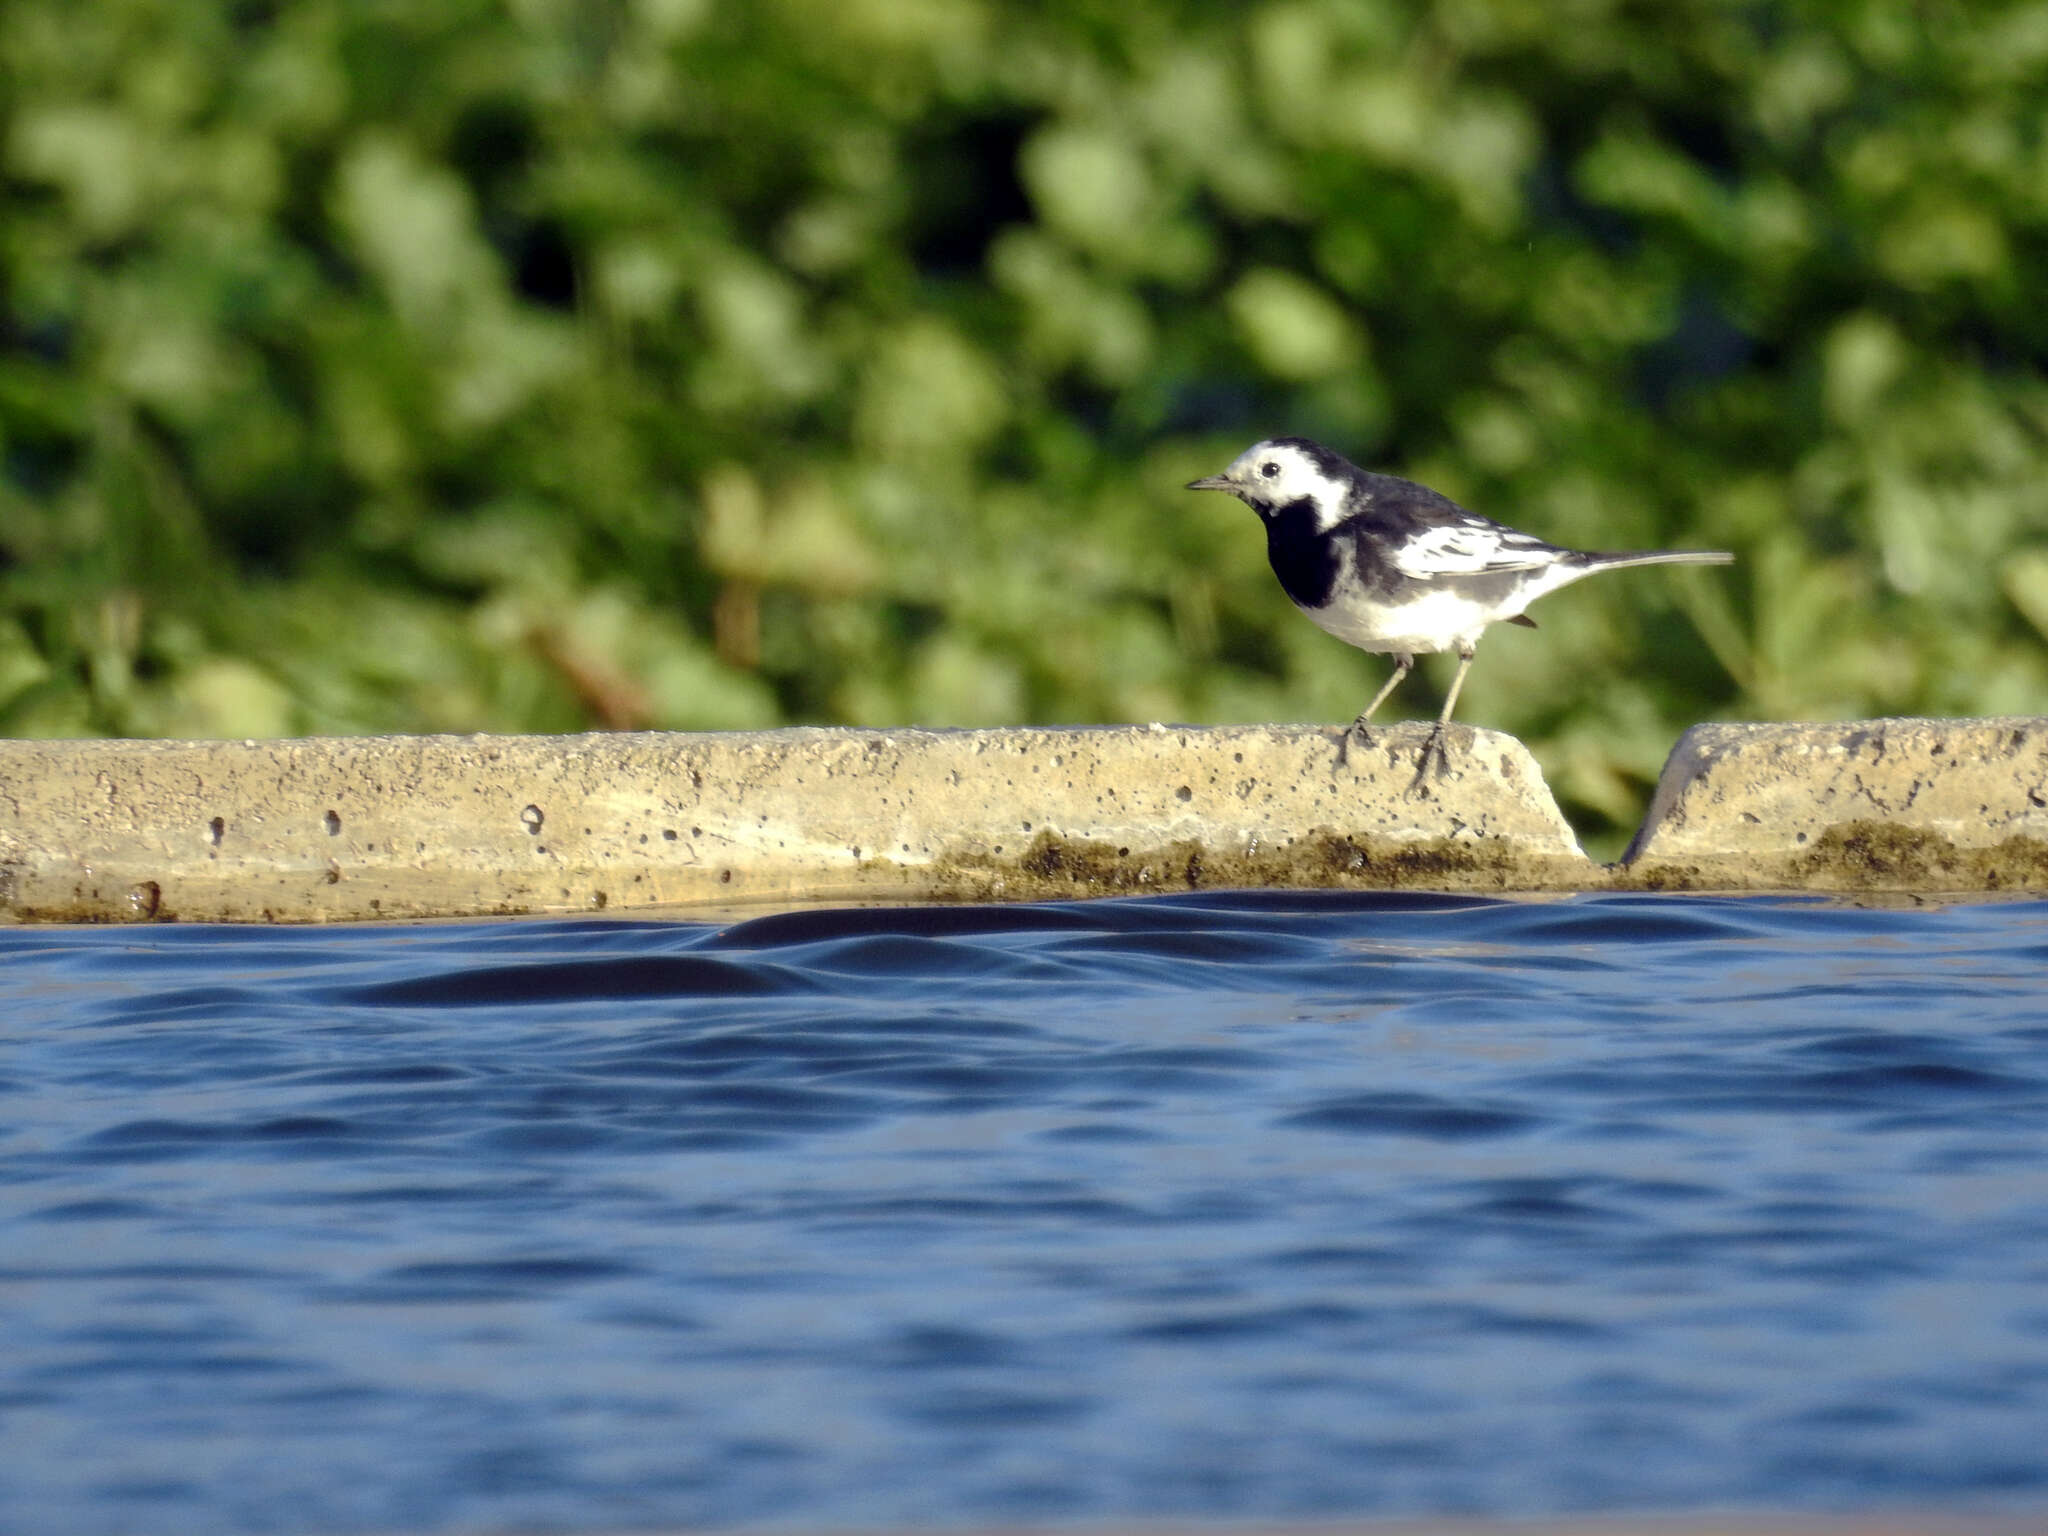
[[1391, 566]]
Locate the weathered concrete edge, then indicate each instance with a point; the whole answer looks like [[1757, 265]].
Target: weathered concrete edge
[[1902, 804], [378, 827], [382, 827]]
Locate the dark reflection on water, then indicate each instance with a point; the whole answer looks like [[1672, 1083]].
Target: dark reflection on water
[[1222, 1206]]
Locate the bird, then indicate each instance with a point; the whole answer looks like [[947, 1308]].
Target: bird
[[1398, 569]]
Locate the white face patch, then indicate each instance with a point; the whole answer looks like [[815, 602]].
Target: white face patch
[[1274, 474]]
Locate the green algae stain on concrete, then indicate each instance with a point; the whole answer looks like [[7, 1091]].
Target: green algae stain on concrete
[[1853, 856], [1882, 855], [1053, 867]]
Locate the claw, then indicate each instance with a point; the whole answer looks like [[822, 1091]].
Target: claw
[[1355, 731], [1435, 744]]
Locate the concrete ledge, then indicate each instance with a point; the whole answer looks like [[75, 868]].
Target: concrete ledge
[[383, 827], [1868, 805]]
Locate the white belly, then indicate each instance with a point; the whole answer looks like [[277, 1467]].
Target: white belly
[[1426, 623]]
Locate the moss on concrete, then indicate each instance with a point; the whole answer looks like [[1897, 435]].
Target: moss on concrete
[[1053, 866], [1881, 855], [1853, 856]]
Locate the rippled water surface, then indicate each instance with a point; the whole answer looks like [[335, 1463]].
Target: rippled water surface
[[1229, 1206]]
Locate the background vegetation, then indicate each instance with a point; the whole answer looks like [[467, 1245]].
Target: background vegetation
[[373, 365]]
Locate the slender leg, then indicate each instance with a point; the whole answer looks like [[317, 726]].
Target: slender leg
[[1436, 735], [1403, 664]]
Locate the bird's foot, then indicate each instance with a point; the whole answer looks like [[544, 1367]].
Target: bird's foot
[[1354, 732], [1433, 748]]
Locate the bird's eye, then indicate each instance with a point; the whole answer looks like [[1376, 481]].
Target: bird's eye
[[1269, 469]]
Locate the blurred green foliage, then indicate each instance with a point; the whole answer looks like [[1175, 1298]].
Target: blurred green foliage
[[373, 365]]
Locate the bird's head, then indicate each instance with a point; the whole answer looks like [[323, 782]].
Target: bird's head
[[1283, 471]]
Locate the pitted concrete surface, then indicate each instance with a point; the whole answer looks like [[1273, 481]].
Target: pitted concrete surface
[[380, 827], [1901, 805], [383, 827]]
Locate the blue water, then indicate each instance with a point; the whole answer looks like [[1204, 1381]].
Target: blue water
[[1222, 1206]]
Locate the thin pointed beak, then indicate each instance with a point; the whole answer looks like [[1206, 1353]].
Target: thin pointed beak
[[1213, 483]]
